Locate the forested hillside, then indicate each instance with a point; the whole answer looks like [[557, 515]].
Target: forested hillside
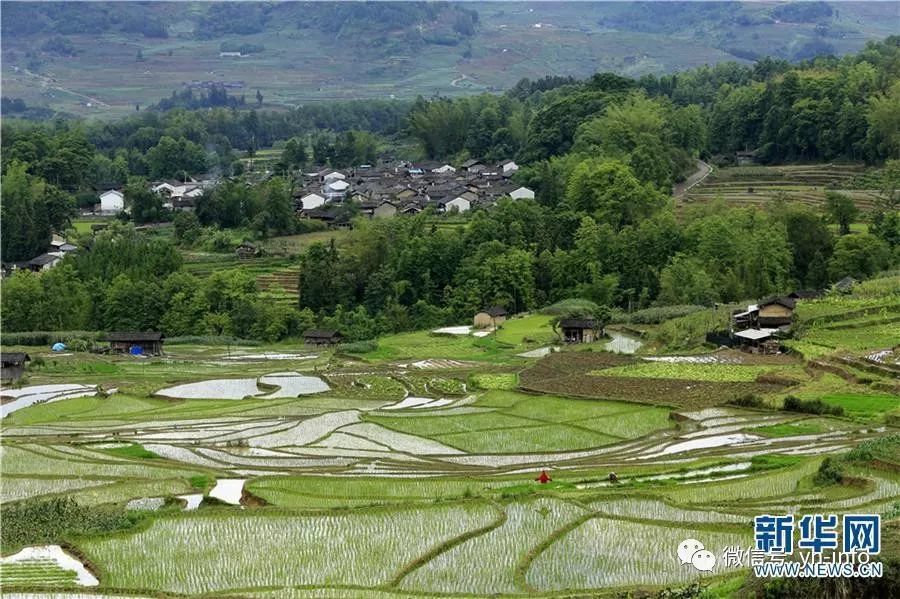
[[601, 154], [106, 58]]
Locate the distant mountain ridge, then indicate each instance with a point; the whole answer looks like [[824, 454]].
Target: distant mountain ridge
[[108, 57]]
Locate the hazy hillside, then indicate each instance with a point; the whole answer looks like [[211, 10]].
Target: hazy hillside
[[104, 58]]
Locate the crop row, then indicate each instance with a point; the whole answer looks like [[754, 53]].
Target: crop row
[[209, 553]]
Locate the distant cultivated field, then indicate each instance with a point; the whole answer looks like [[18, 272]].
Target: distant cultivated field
[[759, 186], [107, 79]]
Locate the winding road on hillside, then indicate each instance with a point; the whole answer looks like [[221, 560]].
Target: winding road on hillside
[[703, 170], [50, 83]]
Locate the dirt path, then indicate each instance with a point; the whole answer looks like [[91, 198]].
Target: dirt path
[[47, 82], [455, 82], [703, 170]]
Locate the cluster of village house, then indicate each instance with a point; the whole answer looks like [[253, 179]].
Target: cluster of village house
[[405, 188], [59, 247], [378, 191]]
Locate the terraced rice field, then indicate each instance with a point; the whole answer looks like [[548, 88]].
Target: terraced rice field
[[758, 186], [287, 474]]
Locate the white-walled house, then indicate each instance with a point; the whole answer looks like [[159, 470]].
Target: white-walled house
[[176, 189], [333, 176], [112, 202], [509, 167], [163, 187], [459, 203], [335, 190], [312, 200], [444, 168], [44, 262], [523, 193]]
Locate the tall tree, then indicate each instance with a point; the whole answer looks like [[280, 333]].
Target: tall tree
[[841, 210]]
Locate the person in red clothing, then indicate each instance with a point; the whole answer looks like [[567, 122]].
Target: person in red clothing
[[544, 478]]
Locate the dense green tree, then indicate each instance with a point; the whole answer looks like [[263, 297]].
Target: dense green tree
[[860, 255], [609, 191], [811, 243], [883, 117], [22, 292], [294, 153], [65, 302], [146, 206], [25, 220], [187, 227], [132, 305], [684, 280], [318, 284], [175, 158], [841, 210]]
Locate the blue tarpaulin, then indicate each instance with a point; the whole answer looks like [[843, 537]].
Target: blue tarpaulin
[[59, 347], [136, 350]]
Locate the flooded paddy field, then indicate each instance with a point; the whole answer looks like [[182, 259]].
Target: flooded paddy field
[[426, 462]]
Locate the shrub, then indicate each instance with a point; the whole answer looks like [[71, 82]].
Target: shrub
[[830, 472], [748, 401], [359, 347], [569, 306], [39, 522], [209, 340], [811, 406], [505, 380], [882, 448], [655, 315], [48, 338]]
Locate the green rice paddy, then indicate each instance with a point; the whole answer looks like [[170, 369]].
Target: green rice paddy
[[352, 492]]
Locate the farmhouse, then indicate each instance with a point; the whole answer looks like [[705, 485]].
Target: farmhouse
[[12, 365], [459, 203], [776, 312], [311, 200], [522, 193], [335, 190], [490, 317], [578, 330], [508, 167], [61, 247], [804, 294], [444, 168], [43, 262], [845, 285], [758, 341], [333, 176], [322, 337], [147, 342], [472, 166], [744, 158], [112, 202], [246, 250], [378, 208]]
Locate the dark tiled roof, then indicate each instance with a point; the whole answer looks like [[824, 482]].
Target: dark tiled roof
[[321, 334], [805, 294], [137, 336], [14, 358], [787, 302], [43, 259], [578, 323], [495, 311]]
